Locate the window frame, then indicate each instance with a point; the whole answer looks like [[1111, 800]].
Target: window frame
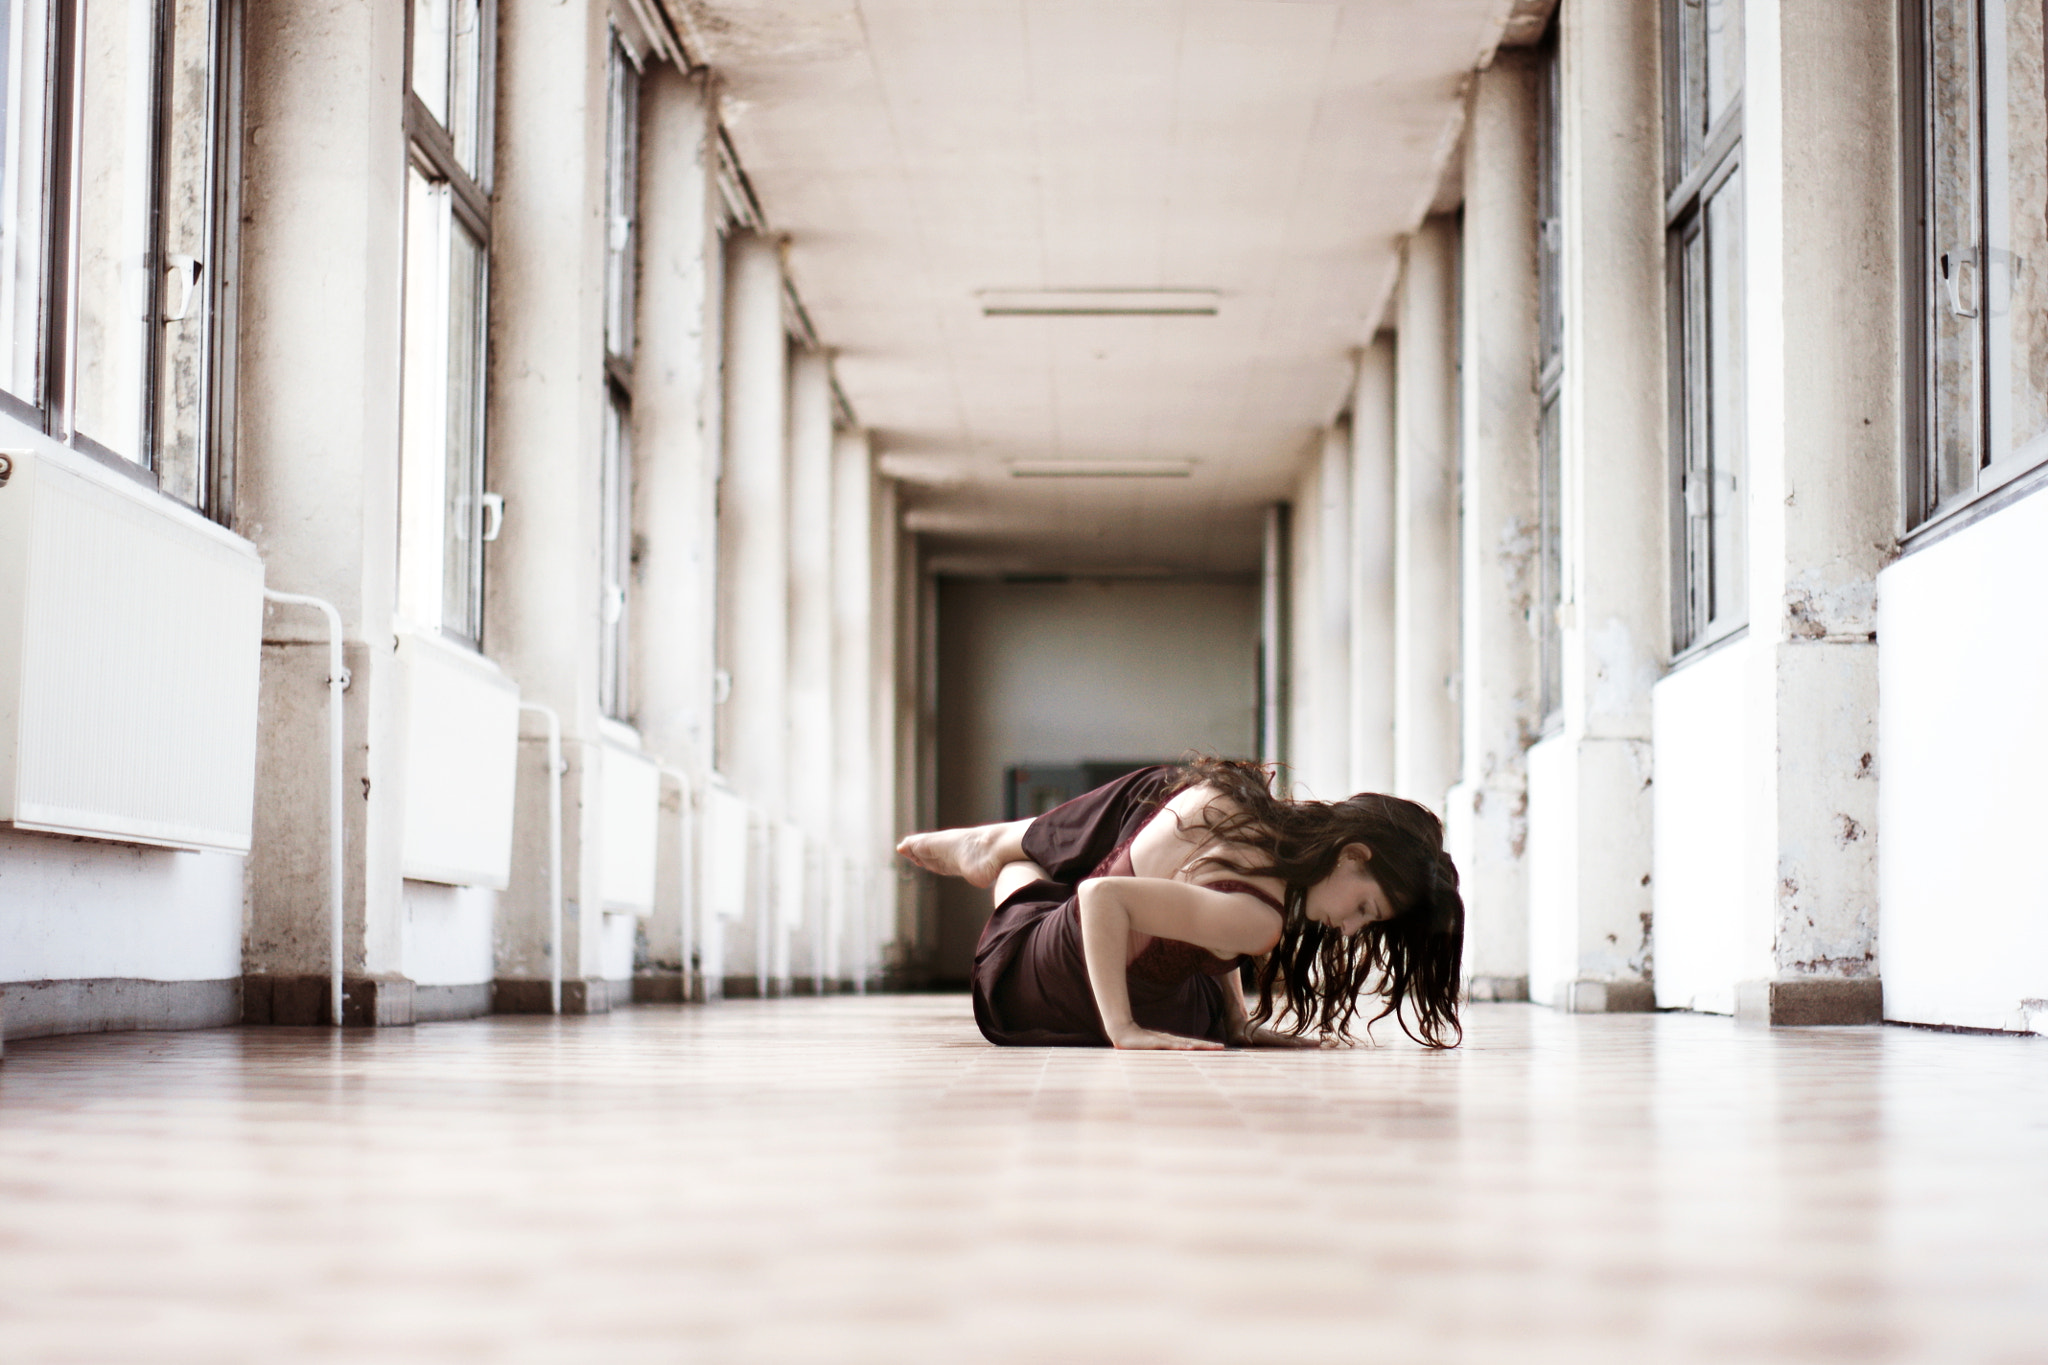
[[1550, 576], [52, 408], [430, 150], [1693, 177], [625, 68], [1924, 516]]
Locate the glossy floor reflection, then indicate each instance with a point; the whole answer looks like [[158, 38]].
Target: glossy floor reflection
[[853, 1180]]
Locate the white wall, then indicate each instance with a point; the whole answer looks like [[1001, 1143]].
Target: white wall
[[1060, 673], [1697, 727], [77, 910], [1963, 745]]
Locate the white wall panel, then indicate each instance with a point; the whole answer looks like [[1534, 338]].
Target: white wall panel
[[1553, 869], [1963, 749], [1697, 728], [461, 765], [130, 637]]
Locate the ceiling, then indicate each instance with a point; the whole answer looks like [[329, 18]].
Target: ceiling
[[919, 153]]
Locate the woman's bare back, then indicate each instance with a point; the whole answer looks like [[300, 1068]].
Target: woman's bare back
[[1180, 835]]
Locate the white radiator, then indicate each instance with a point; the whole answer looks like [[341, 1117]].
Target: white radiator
[[727, 847], [461, 765], [131, 633], [632, 829]]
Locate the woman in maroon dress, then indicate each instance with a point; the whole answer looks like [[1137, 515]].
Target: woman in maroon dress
[[1124, 916]]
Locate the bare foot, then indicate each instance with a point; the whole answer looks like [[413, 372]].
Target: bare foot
[[967, 853]]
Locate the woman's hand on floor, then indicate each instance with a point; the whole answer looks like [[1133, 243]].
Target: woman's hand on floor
[[1145, 1040], [1259, 1036]]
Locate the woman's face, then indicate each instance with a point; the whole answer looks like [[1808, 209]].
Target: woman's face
[[1350, 897]]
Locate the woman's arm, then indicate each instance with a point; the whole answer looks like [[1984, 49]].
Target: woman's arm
[[1112, 908]]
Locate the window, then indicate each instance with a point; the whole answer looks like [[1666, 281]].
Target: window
[[445, 516], [116, 157], [1982, 261], [1549, 384], [1703, 214], [622, 150]]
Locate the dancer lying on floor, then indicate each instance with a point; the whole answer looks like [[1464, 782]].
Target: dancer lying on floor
[[1123, 916]]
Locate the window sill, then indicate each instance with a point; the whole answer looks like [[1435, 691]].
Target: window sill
[[1700, 649], [1962, 513]]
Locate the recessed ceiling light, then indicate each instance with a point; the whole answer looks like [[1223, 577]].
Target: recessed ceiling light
[[1101, 469], [1098, 303]]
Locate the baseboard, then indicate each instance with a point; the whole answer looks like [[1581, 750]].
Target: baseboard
[[659, 988], [521, 995], [1489, 988], [1810, 1001], [1607, 997], [300, 1000], [46, 1009], [437, 1004]]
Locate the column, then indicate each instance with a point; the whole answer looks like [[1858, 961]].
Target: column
[[675, 446], [1488, 816], [316, 490], [808, 783], [854, 601], [1589, 806], [1819, 160], [545, 416], [1426, 516], [1371, 723], [753, 577], [1319, 748]]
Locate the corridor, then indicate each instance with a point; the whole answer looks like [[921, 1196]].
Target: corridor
[[863, 1179]]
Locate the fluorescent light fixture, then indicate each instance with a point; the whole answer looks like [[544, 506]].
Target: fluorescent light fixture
[[1101, 469], [1098, 303]]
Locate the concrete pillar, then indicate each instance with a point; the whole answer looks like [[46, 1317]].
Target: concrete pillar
[[753, 561], [1589, 805], [882, 943], [317, 424], [1319, 747], [1426, 516], [854, 603], [1274, 670], [753, 525], [545, 418], [1488, 815], [1819, 161], [811, 751], [675, 447], [1371, 723]]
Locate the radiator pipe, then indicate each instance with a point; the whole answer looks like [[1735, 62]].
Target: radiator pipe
[[554, 724], [337, 683]]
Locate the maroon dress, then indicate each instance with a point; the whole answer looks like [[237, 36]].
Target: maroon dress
[[1030, 976]]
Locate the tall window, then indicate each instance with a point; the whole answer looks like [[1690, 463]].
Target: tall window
[[445, 514], [1550, 383], [1982, 305], [1704, 217], [622, 188], [117, 140]]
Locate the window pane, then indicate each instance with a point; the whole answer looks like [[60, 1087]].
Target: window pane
[[462, 581], [621, 200], [423, 450], [1694, 427], [430, 56], [112, 270], [1726, 477], [1957, 283], [25, 37], [1550, 561], [464, 118], [2016, 230], [617, 540], [1722, 20], [187, 244]]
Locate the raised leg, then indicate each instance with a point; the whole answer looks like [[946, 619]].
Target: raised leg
[[1014, 875], [978, 853]]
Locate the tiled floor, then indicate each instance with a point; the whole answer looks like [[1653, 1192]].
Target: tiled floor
[[864, 1180]]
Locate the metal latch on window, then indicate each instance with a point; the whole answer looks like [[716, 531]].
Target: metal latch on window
[[1954, 262], [1695, 497], [494, 514], [185, 270]]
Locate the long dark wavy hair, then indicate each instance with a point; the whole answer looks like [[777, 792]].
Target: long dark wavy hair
[[1315, 975]]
